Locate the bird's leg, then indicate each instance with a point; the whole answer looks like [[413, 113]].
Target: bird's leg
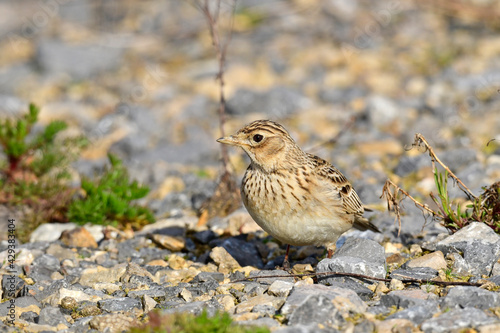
[[331, 249], [286, 263]]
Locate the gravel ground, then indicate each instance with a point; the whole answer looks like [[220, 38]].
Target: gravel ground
[[138, 79]]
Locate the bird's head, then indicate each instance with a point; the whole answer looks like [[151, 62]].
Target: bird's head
[[267, 143]]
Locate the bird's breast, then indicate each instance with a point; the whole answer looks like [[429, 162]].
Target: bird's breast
[[290, 209]]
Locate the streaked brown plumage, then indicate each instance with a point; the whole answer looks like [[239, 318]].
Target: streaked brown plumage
[[294, 196]]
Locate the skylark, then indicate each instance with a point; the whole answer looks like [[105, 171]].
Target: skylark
[[296, 197]]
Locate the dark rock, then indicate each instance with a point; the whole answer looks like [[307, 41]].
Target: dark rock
[[407, 298], [51, 316], [205, 236], [119, 304], [457, 319], [245, 253], [479, 244], [357, 255], [417, 313], [423, 273], [316, 309], [470, 297]]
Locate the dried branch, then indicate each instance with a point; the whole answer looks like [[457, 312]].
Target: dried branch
[[419, 141], [226, 197], [366, 277], [212, 17], [393, 201]]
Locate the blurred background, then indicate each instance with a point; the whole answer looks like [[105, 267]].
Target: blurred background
[[137, 78]]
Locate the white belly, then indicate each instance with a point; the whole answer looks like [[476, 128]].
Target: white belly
[[299, 220]]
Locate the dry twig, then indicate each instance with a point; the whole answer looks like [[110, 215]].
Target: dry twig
[[394, 201], [226, 197], [366, 277], [419, 141]]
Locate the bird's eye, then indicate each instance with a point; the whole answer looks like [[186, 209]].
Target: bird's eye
[[257, 138]]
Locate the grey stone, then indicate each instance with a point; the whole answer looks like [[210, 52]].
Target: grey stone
[[270, 280], [346, 300], [53, 288], [260, 322], [357, 255], [13, 287], [78, 61], [479, 244], [29, 316], [470, 297], [50, 232], [459, 265], [119, 304], [253, 289], [312, 328], [457, 319], [264, 309], [316, 309], [280, 288], [365, 327], [417, 313], [51, 316], [21, 302], [208, 276], [197, 308], [363, 292], [407, 298], [422, 273], [495, 279], [153, 292]]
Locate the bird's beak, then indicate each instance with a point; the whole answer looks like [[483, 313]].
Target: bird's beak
[[230, 140]]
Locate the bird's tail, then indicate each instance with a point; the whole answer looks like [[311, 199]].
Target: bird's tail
[[363, 224]]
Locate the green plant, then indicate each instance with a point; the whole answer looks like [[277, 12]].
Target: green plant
[[33, 173], [220, 322], [454, 216], [483, 208], [108, 199]]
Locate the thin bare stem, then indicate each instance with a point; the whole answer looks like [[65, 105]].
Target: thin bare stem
[[419, 141], [393, 201], [220, 46], [366, 277]]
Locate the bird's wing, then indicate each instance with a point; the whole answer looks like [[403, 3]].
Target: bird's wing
[[336, 182]]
